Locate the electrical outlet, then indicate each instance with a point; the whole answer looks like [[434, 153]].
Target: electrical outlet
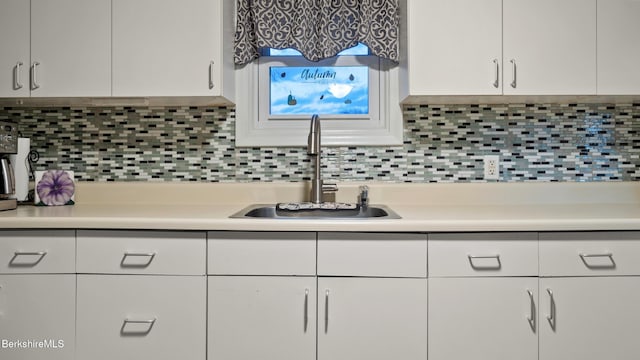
[[491, 167]]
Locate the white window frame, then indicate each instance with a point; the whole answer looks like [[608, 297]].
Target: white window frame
[[382, 128]]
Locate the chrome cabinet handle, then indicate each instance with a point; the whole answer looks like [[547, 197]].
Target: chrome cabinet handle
[[141, 332], [326, 311], [514, 83], [497, 266], [496, 83], [16, 76], [211, 74], [34, 80], [532, 311], [150, 256], [16, 256], [552, 311], [585, 259], [306, 309]]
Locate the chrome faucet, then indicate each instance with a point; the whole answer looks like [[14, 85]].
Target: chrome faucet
[[318, 188]]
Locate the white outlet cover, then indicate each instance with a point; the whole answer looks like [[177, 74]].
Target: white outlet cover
[[491, 167]]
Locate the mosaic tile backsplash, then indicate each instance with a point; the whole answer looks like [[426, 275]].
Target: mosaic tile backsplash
[[536, 142]]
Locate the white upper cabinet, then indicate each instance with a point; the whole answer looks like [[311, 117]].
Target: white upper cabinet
[[618, 47], [55, 48], [14, 54], [454, 47], [552, 45], [70, 48], [172, 48], [500, 47]]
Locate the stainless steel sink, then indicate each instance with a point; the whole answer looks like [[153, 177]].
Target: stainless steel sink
[[266, 211]]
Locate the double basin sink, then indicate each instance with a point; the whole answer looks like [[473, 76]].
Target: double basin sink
[[286, 211]]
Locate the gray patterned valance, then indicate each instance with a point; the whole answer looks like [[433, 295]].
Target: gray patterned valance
[[319, 29]]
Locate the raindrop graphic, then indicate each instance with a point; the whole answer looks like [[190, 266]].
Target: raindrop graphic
[[284, 74], [351, 77], [321, 96]]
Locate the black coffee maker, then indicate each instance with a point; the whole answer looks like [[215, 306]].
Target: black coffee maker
[[8, 146]]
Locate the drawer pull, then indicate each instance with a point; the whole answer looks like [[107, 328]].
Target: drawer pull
[[514, 75], [532, 311], [125, 263], [137, 327], [552, 311], [326, 311], [35, 257], [16, 76], [306, 309], [34, 72], [211, 84], [496, 83], [496, 266], [610, 265]]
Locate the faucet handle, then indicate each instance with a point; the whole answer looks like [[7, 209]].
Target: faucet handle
[[329, 187]]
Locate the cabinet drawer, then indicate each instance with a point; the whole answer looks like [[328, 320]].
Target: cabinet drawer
[[483, 254], [372, 254], [262, 253], [37, 251], [141, 317], [141, 252], [590, 253]]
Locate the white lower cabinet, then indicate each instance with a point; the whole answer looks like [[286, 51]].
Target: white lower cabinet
[[372, 296], [319, 296], [37, 317], [262, 295], [141, 317], [483, 296], [590, 295], [276, 308], [483, 318], [372, 318], [262, 317], [37, 295], [141, 295], [590, 318]]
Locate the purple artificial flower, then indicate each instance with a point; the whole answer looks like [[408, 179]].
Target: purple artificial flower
[[55, 187]]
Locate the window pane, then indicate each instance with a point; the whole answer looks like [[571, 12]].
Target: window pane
[[359, 49], [330, 90]]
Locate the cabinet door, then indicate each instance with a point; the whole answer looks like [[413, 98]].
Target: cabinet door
[[372, 318], [164, 47], [71, 42], [455, 47], [495, 318], [270, 318], [552, 44], [618, 47], [589, 318], [14, 42], [37, 317], [141, 317]]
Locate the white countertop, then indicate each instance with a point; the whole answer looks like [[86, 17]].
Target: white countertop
[[423, 207]]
